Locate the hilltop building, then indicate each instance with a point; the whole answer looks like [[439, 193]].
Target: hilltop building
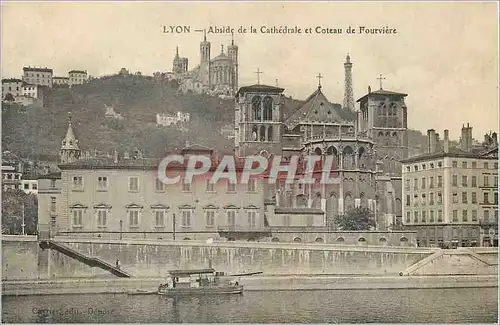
[[216, 76], [38, 76], [60, 81], [77, 77], [167, 119]]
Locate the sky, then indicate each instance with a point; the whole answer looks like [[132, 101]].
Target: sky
[[444, 55]]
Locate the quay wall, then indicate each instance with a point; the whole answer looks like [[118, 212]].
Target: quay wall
[[22, 258]]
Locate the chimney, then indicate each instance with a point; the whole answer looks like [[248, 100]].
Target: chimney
[[438, 143], [494, 138], [469, 138], [115, 156], [431, 140], [126, 155], [446, 142], [369, 89], [487, 139], [463, 138]]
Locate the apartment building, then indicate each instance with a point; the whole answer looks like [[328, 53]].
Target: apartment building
[[451, 195], [38, 76], [77, 77], [12, 86]]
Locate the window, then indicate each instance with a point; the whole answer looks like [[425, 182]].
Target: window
[[464, 164], [251, 219], [440, 164], [486, 217], [424, 216], [423, 183], [423, 199], [415, 216], [102, 216], [77, 217], [431, 216], [440, 215], [210, 186], [133, 184], [415, 200], [455, 197], [407, 168], [432, 165], [495, 181], [408, 216], [440, 181], [34, 186], [231, 218], [407, 184], [495, 198], [186, 218], [186, 187], [431, 182], [102, 183], [465, 218], [231, 187], [474, 215], [464, 197], [423, 166], [486, 181], [454, 164], [251, 185], [159, 218], [210, 217], [485, 165], [53, 183], [408, 200], [474, 164], [133, 216], [415, 168], [486, 198], [474, 198], [26, 186], [495, 165], [454, 180], [160, 186], [474, 181], [431, 198], [464, 181], [415, 184], [77, 183], [52, 204], [455, 215]]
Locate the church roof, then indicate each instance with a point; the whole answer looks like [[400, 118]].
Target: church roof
[[317, 108], [260, 89], [221, 57], [196, 148], [382, 92], [70, 142]]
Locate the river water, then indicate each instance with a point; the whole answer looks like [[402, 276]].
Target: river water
[[468, 305]]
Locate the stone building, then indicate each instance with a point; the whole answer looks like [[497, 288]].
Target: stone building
[[451, 193], [216, 76], [367, 145], [77, 77], [38, 76]]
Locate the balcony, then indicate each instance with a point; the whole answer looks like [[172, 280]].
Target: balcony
[[488, 222]]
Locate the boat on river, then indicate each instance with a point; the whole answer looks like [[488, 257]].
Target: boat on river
[[200, 282]]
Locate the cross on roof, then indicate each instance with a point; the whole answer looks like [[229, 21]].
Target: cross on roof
[[69, 117], [381, 78], [258, 72], [319, 76]]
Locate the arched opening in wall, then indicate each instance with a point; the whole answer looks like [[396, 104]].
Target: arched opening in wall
[[361, 151], [301, 201], [362, 240], [340, 240], [348, 202], [388, 134], [317, 201], [318, 151], [255, 132], [382, 241], [251, 239], [403, 240], [392, 109], [348, 157], [297, 240], [333, 205], [270, 133], [262, 136], [268, 108], [256, 108], [187, 238], [231, 239], [381, 134], [319, 240], [332, 151], [363, 202], [399, 208], [275, 240]]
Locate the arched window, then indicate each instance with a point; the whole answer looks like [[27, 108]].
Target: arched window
[[348, 156], [318, 151], [270, 133], [404, 239], [297, 240], [186, 238], [382, 241], [362, 240], [268, 108], [275, 240], [301, 201], [340, 239], [348, 202], [251, 239], [255, 133], [317, 201], [262, 136], [319, 240], [256, 108]]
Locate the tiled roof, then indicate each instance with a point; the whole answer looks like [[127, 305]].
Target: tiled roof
[[382, 92], [452, 152], [77, 71], [11, 80], [37, 69], [317, 108]]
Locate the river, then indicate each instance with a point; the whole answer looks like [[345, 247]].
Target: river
[[468, 305]]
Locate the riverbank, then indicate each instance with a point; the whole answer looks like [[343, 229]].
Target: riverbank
[[255, 283]]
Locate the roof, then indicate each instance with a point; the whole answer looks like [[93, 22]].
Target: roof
[[189, 272], [382, 92], [108, 163], [317, 108], [196, 148], [37, 69], [12, 80], [77, 71], [260, 89], [221, 57], [454, 153], [297, 211], [55, 175]]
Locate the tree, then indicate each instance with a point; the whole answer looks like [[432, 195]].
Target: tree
[[356, 219], [12, 212]]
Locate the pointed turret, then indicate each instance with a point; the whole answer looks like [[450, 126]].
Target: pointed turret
[[70, 151]]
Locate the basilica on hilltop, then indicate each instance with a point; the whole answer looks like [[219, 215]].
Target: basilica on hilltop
[[367, 145]]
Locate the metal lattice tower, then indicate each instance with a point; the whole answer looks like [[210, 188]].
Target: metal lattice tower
[[348, 93]]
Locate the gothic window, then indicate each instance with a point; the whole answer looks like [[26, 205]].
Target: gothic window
[[317, 201], [348, 203], [333, 205], [254, 133], [318, 151], [262, 133], [256, 108], [348, 158], [270, 133], [268, 108], [301, 201]]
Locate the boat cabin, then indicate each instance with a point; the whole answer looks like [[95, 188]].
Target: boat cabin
[[194, 278]]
